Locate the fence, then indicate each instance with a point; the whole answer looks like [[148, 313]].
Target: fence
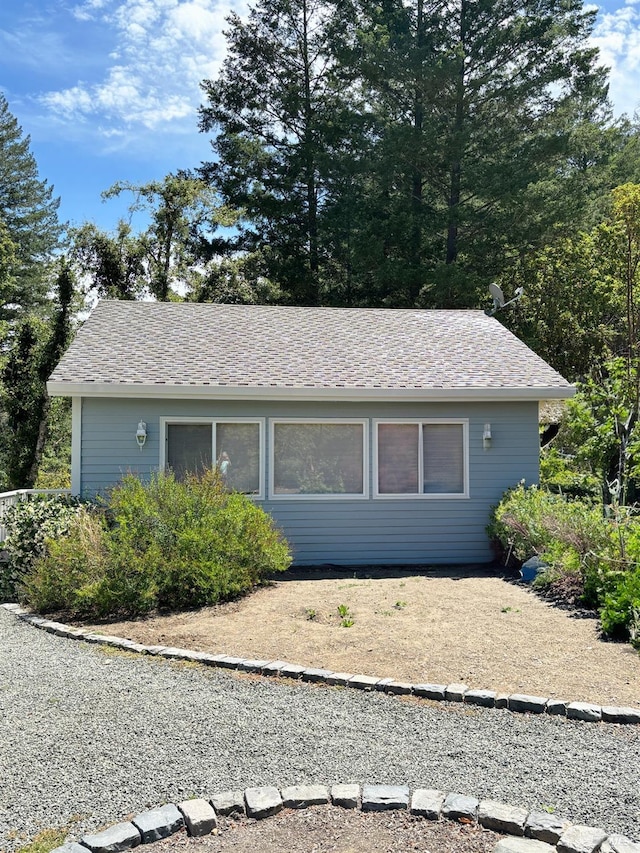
[[8, 499]]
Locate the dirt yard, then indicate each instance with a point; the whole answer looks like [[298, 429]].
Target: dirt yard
[[334, 830], [439, 626]]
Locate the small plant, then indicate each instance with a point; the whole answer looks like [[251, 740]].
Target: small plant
[[510, 609], [345, 615], [311, 614], [400, 604]]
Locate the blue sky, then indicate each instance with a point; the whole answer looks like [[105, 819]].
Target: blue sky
[[108, 89]]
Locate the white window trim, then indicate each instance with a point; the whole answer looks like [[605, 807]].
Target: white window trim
[[362, 422], [421, 495], [166, 421]]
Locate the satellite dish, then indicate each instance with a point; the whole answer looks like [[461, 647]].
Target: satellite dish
[[497, 295]]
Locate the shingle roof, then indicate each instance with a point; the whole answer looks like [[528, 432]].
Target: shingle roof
[[147, 347]]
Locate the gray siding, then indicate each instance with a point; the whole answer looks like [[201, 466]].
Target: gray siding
[[373, 530]]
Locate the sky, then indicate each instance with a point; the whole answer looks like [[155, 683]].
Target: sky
[[108, 90]]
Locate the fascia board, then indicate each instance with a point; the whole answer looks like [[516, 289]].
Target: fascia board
[[227, 392]]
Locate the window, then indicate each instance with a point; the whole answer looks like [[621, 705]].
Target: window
[[318, 458], [421, 458], [191, 446]]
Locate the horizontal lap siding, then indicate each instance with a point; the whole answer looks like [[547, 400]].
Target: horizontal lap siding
[[402, 531], [380, 530]]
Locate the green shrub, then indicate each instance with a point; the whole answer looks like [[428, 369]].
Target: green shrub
[[29, 524], [163, 544], [530, 521], [71, 565], [591, 556], [620, 614]]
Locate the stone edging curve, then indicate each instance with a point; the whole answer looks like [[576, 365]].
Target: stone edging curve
[[517, 702], [526, 831]]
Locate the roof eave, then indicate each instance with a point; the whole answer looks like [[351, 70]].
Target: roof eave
[[191, 392]]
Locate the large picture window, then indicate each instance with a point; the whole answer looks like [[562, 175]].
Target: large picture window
[[318, 458], [421, 458], [233, 446]]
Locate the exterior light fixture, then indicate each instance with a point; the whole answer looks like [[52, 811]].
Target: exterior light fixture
[[141, 434], [486, 436]]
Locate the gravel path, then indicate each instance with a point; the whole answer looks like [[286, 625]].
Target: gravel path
[[88, 735]]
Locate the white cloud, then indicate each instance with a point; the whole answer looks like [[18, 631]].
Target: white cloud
[[617, 35], [165, 48]]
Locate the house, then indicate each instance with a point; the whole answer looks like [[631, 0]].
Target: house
[[371, 435]]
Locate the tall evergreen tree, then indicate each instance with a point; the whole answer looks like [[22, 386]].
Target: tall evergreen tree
[[36, 349], [403, 149], [476, 101], [28, 218], [279, 123]]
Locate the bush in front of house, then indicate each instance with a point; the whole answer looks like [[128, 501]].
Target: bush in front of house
[[592, 557], [29, 524], [163, 544]]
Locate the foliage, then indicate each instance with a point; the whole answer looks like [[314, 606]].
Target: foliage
[[560, 473], [529, 521], [36, 349], [29, 228], [54, 470], [279, 118], [620, 614], [600, 431], [578, 543], [236, 281], [182, 212], [162, 544], [29, 524], [571, 306], [397, 153], [112, 262]]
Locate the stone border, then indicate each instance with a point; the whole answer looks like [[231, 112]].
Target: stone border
[[517, 702], [526, 831]]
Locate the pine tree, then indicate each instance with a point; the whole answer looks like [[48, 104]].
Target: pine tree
[[278, 118], [401, 153], [28, 219]]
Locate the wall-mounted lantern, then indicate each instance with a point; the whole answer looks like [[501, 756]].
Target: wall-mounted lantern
[[486, 436], [141, 434]]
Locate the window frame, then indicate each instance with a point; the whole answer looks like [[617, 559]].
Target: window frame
[[463, 495], [333, 496], [165, 421]]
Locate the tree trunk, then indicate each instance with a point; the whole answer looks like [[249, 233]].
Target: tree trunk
[[457, 148], [313, 295], [32, 475]]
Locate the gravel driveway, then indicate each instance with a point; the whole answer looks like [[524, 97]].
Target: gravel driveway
[[88, 735]]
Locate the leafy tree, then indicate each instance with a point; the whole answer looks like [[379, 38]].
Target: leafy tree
[[238, 280], [112, 263], [600, 272], [29, 228], [600, 431], [164, 260], [572, 304], [182, 216]]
